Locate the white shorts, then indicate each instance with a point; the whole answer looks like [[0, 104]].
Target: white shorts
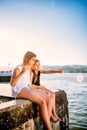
[[16, 90]]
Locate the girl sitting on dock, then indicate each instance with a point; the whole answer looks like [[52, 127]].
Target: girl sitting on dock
[[21, 88], [35, 81]]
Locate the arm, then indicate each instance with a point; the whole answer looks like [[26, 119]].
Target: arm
[[17, 74], [51, 71]]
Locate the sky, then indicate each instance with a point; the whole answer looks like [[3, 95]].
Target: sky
[[55, 30]]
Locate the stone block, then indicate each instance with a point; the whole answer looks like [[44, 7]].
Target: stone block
[[22, 114]]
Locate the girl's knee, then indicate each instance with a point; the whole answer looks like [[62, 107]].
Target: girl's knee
[[42, 102], [48, 93]]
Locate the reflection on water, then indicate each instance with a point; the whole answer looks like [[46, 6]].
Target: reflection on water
[[76, 93], [80, 78]]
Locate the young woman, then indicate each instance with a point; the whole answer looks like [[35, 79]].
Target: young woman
[[21, 88], [35, 81]]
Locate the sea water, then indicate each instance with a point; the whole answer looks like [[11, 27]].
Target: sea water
[[76, 93]]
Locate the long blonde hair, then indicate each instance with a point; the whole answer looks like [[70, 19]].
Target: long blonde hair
[[28, 55], [36, 61]]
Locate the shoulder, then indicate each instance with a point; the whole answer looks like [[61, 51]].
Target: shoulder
[[19, 67]]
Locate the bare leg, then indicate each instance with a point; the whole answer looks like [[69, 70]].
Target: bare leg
[[48, 99], [33, 95], [54, 115], [49, 96]]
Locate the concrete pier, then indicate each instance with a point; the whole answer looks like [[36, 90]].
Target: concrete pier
[[22, 114]]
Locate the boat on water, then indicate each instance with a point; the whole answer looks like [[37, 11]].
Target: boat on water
[[5, 74]]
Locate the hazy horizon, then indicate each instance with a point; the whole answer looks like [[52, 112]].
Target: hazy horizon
[[47, 65]]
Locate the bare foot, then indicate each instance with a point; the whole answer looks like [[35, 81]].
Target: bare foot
[[54, 113], [55, 119]]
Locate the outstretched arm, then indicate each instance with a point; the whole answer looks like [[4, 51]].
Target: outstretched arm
[[51, 71]]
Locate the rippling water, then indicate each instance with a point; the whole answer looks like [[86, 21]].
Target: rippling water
[[76, 94]]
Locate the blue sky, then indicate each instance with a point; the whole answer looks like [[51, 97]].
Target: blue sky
[[56, 30]]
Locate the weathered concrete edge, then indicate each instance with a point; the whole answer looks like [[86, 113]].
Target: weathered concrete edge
[[20, 110], [17, 112], [12, 103]]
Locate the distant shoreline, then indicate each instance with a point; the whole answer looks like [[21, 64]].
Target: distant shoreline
[[68, 68]]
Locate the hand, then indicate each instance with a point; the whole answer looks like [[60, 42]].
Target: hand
[[43, 88], [24, 69], [61, 71]]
